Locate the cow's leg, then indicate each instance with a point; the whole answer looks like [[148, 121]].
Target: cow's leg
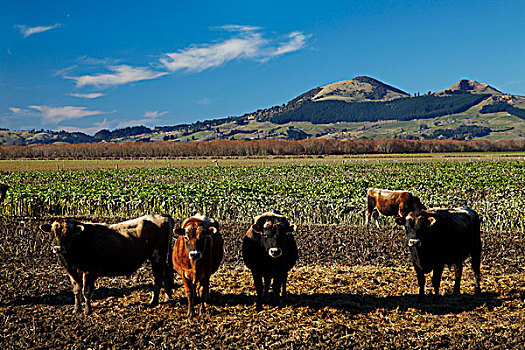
[[76, 282], [370, 207], [205, 288], [476, 266], [420, 283], [89, 286], [257, 281], [458, 271], [375, 216], [284, 295], [277, 284], [267, 282], [168, 280], [436, 280], [189, 287], [158, 272]]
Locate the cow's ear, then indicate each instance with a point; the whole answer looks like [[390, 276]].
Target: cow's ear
[[179, 231], [400, 220], [431, 220], [46, 228]]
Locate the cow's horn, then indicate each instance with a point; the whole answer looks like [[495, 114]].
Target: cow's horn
[[432, 220]]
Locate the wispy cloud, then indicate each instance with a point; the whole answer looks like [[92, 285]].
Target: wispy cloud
[[122, 74], [88, 96], [248, 43], [58, 114], [148, 118], [204, 101], [297, 42], [244, 42], [28, 31], [88, 130]]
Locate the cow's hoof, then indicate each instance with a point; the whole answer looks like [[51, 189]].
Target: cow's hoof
[[87, 311], [153, 303]]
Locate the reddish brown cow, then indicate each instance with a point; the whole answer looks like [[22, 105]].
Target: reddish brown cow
[[197, 254], [390, 203], [89, 250]]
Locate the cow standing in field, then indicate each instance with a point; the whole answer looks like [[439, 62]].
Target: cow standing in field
[[390, 203], [91, 250], [3, 191], [269, 251], [439, 237], [197, 254]]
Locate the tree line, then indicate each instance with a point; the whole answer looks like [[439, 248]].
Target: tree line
[[226, 148]]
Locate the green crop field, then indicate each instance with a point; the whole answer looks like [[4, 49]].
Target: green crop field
[[308, 193]]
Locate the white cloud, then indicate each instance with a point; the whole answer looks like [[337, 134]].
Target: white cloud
[[204, 101], [297, 41], [89, 96], [148, 118], [27, 31], [57, 114], [88, 130], [248, 43], [199, 58], [122, 74]]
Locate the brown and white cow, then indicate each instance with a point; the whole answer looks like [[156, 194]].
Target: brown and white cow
[[439, 237], [390, 203], [91, 250], [3, 191], [197, 254], [269, 251]]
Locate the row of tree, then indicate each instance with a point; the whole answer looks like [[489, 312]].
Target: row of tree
[[218, 148]]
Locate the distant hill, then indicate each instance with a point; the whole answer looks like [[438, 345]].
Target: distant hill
[[355, 108]]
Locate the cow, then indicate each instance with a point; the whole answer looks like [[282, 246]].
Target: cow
[[439, 237], [3, 191], [197, 254], [390, 203], [91, 250], [269, 251]]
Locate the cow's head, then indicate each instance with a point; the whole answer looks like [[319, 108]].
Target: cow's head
[[416, 226], [197, 234], [273, 229], [64, 232]]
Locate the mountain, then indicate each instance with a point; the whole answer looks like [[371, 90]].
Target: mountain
[[470, 86], [359, 89], [355, 108]]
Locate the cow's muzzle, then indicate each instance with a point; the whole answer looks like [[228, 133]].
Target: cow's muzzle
[[58, 249], [195, 255], [414, 243], [275, 252]]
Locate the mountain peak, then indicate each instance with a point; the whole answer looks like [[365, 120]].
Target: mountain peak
[[471, 86], [358, 89]]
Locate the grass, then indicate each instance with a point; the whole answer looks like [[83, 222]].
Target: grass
[[70, 164]]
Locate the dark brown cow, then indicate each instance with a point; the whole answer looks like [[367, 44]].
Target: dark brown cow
[[3, 191], [390, 203], [197, 254], [439, 237], [91, 250], [269, 251]]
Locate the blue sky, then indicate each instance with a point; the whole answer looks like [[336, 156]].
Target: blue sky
[[106, 64]]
